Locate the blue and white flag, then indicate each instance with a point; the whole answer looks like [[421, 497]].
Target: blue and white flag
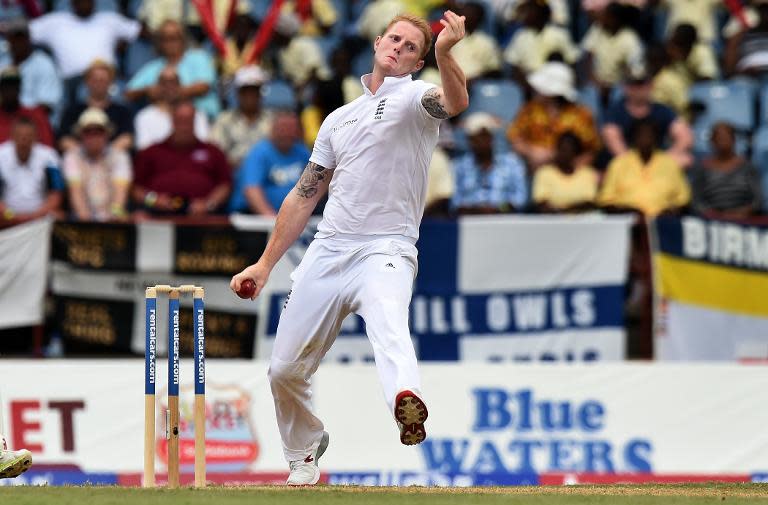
[[506, 288]]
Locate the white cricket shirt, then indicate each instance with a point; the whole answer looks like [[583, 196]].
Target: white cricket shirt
[[24, 184], [379, 146]]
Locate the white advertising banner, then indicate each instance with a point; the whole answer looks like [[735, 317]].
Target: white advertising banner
[[24, 251], [494, 422]]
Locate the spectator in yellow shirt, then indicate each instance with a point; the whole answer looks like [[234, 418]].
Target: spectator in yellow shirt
[[565, 185], [645, 179]]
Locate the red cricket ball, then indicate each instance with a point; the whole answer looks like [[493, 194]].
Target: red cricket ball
[[247, 289]]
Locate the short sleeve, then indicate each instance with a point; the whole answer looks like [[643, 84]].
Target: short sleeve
[[124, 28], [322, 151], [40, 29], [146, 76], [72, 172], [513, 52], [590, 40], [417, 90], [121, 170]]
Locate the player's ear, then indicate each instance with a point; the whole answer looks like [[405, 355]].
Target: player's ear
[[419, 66], [376, 43]]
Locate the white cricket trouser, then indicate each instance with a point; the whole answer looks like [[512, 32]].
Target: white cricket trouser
[[337, 277]]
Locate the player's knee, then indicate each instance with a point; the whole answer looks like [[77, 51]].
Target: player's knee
[[283, 372]]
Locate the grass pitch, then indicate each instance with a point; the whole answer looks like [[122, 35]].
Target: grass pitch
[[689, 494]]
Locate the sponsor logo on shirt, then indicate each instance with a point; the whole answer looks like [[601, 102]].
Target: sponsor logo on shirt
[[344, 125]]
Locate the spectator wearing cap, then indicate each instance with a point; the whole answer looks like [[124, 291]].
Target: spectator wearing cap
[[271, 169], [98, 176], [11, 109], [79, 37], [153, 123], [238, 129], [565, 185], [477, 53], [538, 41], [551, 112], [31, 185], [195, 69], [638, 105], [487, 182], [99, 79], [182, 174], [40, 81], [611, 48]]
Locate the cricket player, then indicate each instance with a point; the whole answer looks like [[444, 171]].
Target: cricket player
[[371, 156], [13, 463]]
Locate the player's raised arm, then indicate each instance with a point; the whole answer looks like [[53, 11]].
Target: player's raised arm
[[291, 219], [452, 98]]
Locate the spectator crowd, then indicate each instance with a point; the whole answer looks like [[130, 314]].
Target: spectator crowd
[[111, 109]]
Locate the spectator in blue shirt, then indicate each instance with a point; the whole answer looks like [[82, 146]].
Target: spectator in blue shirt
[[271, 169], [195, 67], [637, 105], [488, 182]]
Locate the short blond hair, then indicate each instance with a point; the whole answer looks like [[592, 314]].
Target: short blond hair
[[419, 23]]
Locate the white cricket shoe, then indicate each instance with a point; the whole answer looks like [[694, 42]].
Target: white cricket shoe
[[410, 414], [305, 472], [14, 463]]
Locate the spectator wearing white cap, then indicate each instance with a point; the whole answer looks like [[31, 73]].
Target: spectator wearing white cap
[[550, 113], [98, 176], [487, 181], [238, 129], [153, 123]]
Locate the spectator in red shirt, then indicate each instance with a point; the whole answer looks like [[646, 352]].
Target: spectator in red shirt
[[182, 174], [11, 109]]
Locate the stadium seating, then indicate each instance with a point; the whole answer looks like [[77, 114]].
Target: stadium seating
[[503, 99]]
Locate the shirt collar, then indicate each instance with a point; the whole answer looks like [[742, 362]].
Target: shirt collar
[[389, 82]]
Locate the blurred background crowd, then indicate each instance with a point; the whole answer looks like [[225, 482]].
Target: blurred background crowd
[[124, 109], [109, 108]]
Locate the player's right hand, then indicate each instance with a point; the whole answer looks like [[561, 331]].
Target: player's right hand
[[257, 273]]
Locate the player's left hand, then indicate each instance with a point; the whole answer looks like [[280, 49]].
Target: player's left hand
[[452, 32]]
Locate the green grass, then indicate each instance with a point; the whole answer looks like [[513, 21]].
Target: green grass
[[690, 494]]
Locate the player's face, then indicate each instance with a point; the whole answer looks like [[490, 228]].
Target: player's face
[[398, 51]]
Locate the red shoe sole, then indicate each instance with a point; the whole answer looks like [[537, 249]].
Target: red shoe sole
[[411, 412]]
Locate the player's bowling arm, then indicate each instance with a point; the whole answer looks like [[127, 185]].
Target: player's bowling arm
[[295, 211]]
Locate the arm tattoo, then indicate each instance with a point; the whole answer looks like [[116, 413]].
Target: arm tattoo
[[431, 102], [310, 179]]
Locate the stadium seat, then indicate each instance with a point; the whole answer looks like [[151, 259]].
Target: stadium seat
[[731, 101], [278, 94], [503, 99]]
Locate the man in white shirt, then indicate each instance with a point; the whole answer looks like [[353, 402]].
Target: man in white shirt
[[31, 185], [79, 37], [371, 156]]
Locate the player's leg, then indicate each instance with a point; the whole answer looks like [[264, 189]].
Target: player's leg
[[382, 295], [308, 327], [13, 463]]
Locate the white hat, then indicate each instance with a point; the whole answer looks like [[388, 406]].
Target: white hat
[[250, 75], [479, 121], [554, 79], [93, 116]]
